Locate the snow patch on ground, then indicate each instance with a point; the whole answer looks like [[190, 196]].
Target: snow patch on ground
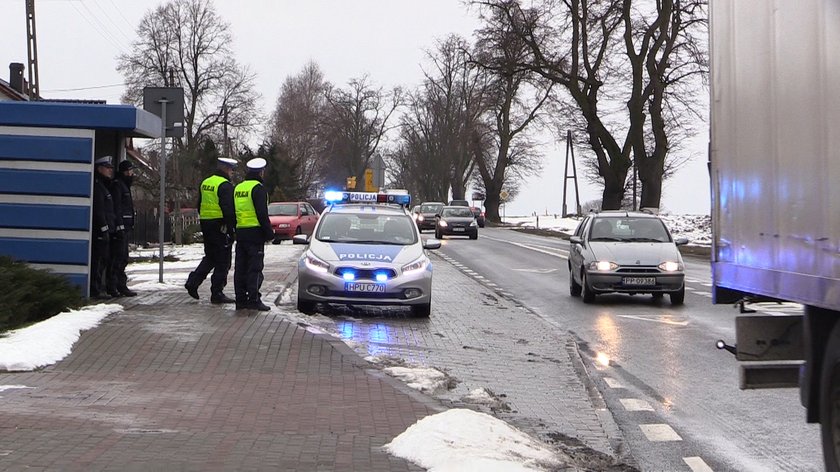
[[425, 379]]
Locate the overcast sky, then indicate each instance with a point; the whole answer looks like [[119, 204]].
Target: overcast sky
[[79, 40]]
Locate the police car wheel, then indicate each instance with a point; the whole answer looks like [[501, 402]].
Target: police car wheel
[[306, 307], [421, 311]]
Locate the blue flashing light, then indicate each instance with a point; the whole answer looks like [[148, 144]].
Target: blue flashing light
[[333, 196], [399, 199], [349, 276], [381, 277]]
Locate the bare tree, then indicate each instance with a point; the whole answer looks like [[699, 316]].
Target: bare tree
[[435, 155], [295, 129], [188, 39], [518, 96], [648, 55], [353, 125]]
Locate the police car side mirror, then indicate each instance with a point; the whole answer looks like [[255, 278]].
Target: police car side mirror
[[681, 241], [576, 240], [431, 244], [300, 239]]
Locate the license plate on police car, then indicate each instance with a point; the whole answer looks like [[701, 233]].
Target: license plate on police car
[[458, 229], [639, 280], [364, 287]]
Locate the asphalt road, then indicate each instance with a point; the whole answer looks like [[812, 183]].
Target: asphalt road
[[674, 396]]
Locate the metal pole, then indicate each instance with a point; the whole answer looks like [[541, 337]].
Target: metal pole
[[162, 215], [634, 184]]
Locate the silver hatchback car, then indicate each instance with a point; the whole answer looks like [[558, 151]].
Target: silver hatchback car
[[625, 252], [366, 254]]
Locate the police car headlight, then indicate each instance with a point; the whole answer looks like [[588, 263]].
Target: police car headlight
[[603, 266], [415, 266], [670, 266], [473, 223], [315, 264], [443, 223]]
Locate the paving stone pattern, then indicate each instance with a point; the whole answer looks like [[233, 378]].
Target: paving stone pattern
[[175, 384]]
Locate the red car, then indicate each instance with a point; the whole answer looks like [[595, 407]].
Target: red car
[[291, 218]]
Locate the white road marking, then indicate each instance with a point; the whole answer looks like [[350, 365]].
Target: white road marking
[[537, 271], [656, 318], [634, 404], [613, 383], [689, 279], [705, 284], [561, 254], [690, 289], [705, 294], [659, 432], [697, 464]]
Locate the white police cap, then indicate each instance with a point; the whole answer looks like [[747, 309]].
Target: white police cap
[[224, 161], [104, 161], [256, 164]]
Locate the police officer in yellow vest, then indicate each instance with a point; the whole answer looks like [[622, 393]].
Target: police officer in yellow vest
[[253, 230], [218, 223]]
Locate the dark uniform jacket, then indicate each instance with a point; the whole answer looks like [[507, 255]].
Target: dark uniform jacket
[[123, 203], [104, 218]]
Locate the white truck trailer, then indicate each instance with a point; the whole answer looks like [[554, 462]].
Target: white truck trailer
[[775, 173]]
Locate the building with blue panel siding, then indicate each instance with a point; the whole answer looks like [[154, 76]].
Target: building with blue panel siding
[[47, 150]]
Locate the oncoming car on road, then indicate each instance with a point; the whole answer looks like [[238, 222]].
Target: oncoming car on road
[[291, 218], [625, 252], [425, 213], [364, 252], [457, 221]]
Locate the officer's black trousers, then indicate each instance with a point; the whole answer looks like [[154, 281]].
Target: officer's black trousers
[[247, 274], [99, 258], [117, 280], [217, 255]]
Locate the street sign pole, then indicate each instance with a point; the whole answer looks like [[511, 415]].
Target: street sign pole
[[162, 214]]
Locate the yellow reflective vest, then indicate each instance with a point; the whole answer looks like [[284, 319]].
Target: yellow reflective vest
[[210, 208], [246, 213]]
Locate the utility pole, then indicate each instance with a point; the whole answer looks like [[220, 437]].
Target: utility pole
[[570, 151], [33, 89], [225, 131]]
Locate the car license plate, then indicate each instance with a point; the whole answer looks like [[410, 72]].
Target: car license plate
[[364, 287], [458, 229], [639, 281]]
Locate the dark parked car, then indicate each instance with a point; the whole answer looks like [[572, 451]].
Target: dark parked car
[[425, 213], [625, 252], [456, 220], [479, 216], [459, 203]]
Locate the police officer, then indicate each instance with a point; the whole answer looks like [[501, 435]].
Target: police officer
[[124, 212], [104, 225], [253, 230], [218, 223]]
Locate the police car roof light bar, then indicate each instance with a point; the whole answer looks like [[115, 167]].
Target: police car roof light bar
[[336, 197]]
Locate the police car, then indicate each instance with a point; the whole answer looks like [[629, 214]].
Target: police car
[[366, 250]]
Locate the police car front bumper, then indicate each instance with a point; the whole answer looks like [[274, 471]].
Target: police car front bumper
[[412, 288]]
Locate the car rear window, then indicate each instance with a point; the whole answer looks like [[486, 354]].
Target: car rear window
[[464, 212], [283, 209]]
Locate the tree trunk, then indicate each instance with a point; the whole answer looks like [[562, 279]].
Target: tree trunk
[[650, 174], [491, 209]]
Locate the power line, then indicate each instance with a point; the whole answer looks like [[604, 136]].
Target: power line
[[99, 29], [85, 88], [108, 17]]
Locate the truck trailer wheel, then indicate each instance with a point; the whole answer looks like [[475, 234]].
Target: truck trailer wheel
[[830, 401]]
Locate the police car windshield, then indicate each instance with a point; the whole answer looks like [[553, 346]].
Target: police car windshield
[[283, 209], [367, 228]]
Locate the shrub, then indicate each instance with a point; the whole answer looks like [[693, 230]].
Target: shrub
[[32, 295]]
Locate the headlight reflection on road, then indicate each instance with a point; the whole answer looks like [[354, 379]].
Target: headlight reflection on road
[[609, 338]]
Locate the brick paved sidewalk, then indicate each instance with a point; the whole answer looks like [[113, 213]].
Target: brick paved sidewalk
[[175, 384]]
